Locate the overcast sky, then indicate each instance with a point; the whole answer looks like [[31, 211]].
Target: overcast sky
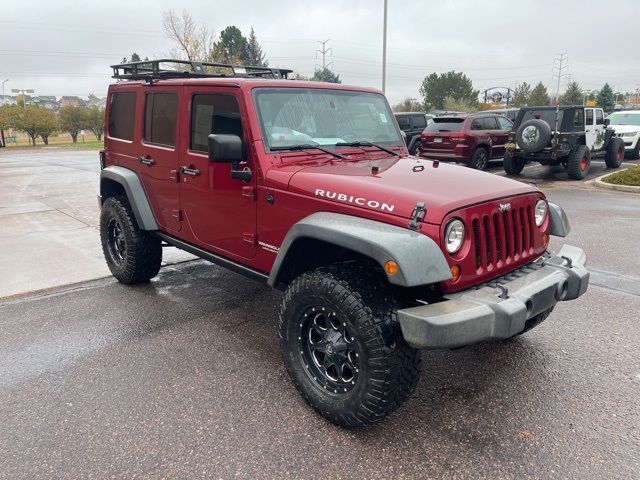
[[62, 47]]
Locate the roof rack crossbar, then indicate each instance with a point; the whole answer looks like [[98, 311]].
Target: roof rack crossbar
[[171, 68]]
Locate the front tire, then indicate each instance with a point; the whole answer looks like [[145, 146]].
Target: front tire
[[132, 255], [511, 165], [342, 345], [479, 159], [615, 153], [579, 162]]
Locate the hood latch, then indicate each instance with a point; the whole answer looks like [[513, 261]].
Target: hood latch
[[417, 215]]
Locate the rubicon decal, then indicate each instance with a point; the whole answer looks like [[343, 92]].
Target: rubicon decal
[[363, 202]]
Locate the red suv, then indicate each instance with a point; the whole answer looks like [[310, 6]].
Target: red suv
[[472, 139], [309, 188]]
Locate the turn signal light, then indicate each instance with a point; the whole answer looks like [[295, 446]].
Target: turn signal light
[[545, 240], [455, 273], [391, 267]]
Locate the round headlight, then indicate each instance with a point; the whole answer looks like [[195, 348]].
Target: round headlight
[[541, 212], [454, 235]]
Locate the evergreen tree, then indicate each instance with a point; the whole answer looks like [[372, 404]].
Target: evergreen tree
[[521, 95], [573, 95], [325, 75], [539, 96], [605, 98], [255, 56], [435, 88], [232, 47]]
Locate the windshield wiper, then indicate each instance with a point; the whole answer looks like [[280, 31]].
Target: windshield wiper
[[309, 146], [368, 144]]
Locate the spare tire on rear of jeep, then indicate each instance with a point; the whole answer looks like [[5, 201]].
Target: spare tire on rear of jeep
[[533, 135]]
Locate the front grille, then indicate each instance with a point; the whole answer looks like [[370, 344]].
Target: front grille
[[500, 238]]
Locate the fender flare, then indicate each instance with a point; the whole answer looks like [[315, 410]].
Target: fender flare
[[559, 223], [419, 258], [135, 193]]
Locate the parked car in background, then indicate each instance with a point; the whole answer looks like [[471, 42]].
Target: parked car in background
[[412, 124], [510, 113], [473, 139], [627, 127], [569, 136]]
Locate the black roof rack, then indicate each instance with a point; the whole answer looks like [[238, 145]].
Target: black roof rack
[[169, 68]]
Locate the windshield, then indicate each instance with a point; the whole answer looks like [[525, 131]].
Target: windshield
[[445, 125], [625, 118], [298, 116]]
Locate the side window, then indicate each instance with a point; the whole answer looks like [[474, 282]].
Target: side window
[[503, 123], [403, 122], [122, 115], [489, 123], [419, 121], [578, 118], [160, 115], [476, 124], [589, 116], [213, 113], [599, 117]]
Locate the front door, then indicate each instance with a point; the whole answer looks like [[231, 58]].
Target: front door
[[219, 210], [590, 128], [158, 155], [599, 129]]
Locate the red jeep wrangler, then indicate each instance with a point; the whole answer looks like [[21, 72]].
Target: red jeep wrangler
[[309, 188]]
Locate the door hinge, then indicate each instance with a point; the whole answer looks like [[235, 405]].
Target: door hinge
[[249, 192], [249, 238], [177, 214]]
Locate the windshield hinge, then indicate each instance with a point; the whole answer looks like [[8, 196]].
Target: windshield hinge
[[417, 216]]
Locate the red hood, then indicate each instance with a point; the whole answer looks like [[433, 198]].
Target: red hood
[[400, 183]]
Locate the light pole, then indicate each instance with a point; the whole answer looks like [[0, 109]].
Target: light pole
[[3, 82], [384, 48]]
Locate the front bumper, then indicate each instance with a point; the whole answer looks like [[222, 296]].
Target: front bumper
[[498, 309]]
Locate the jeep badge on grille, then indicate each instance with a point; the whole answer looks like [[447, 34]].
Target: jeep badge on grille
[[505, 207]]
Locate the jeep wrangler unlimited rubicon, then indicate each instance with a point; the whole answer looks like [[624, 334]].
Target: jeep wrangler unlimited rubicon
[[309, 188], [568, 136]]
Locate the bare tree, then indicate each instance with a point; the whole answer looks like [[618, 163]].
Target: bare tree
[[194, 42]]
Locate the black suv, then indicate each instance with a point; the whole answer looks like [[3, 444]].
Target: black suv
[[570, 136], [412, 124]]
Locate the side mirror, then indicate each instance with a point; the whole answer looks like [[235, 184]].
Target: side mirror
[[607, 122], [225, 148], [228, 148]]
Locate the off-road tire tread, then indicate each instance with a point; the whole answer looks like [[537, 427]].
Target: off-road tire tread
[[144, 252], [373, 307], [610, 156], [573, 163]]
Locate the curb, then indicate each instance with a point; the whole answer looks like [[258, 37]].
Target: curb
[[599, 183]]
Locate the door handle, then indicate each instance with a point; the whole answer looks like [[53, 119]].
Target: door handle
[[147, 161], [194, 172]]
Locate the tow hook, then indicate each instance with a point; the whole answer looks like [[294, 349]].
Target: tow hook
[[569, 261], [417, 215]]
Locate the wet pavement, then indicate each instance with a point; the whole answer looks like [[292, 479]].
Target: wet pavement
[[48, 219], [182, 378]]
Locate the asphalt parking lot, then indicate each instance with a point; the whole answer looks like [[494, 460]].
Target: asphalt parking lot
[[182, 378]]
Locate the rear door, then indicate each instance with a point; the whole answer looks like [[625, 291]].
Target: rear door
[[158, 154], [502, 134], [219, 210]]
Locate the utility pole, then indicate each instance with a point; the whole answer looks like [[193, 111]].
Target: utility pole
[[561, 60], [384, 48], [324, 51]]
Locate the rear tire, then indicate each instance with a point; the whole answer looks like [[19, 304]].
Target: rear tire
[[132, 255], [579, 162], [615, 153], [479, 159], [415, 148], [511, 165], [342, 345]]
